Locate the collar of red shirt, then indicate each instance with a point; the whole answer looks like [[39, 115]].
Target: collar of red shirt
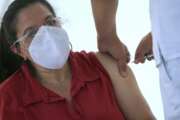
[[34, 92]]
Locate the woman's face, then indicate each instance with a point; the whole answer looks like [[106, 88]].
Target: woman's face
[[28, 20]]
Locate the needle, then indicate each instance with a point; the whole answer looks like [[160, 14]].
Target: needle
[[148, 57]]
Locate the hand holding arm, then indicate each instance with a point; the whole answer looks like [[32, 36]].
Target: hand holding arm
[[104, 12]]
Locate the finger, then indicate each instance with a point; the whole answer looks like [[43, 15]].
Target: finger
[[128, 56], [139, 58], [128, 59], [122, 68]]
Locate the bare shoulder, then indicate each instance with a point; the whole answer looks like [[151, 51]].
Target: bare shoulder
[[110, 64]]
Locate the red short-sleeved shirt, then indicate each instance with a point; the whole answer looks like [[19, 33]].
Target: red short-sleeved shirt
[[23, 98]]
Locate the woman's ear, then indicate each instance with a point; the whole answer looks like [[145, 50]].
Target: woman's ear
[[22, 51], [19, 50], [14, 49]]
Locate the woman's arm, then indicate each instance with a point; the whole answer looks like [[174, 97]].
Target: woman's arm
[[128, 95]]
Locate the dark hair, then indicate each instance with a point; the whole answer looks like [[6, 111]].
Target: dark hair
[[10, 62]]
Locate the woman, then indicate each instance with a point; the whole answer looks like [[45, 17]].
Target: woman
[[52, 82]]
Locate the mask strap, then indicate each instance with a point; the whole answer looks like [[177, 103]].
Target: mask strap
[[70, 44]]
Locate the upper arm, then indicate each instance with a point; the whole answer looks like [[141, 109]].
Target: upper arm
[[126, 90]]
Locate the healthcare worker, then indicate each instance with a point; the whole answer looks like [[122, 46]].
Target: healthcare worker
[[165, 39]]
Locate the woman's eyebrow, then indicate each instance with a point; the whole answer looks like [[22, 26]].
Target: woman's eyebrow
[[32, 27]]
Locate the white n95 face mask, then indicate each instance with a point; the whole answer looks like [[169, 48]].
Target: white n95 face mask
[[50, 47]]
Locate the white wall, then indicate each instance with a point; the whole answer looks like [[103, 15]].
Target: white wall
[[3, 6]]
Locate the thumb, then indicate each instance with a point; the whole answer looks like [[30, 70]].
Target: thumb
[[122, 66]]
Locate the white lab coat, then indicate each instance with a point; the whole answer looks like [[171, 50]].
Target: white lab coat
[[165, 20]]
